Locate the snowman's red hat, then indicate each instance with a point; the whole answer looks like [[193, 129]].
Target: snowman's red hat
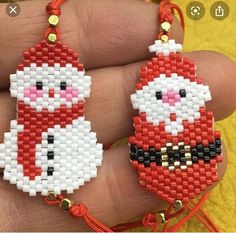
[[168, 61], [51, 54]]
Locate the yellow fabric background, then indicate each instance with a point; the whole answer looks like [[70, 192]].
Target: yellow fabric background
[[220, 36]]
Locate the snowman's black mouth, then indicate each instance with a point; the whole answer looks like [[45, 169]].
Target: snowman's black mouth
[[175, 156]]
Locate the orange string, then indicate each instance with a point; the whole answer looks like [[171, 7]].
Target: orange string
[[80, 211], [166, 14], [190, 214], [53, 8], [207, 218]]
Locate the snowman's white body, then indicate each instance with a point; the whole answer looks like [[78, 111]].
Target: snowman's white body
[[76, 153]]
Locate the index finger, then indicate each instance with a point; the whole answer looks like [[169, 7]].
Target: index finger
[[105, 32]]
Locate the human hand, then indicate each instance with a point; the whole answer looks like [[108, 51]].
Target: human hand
[[112, 38]]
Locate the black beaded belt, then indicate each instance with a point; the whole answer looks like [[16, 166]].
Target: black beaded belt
[[173, 156]]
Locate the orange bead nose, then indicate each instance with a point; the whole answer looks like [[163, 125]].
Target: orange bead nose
[[51, 93], [173, 117]]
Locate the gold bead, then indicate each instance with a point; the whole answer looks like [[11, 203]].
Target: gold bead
[[53, 20], [164, 38], [161, 217], [188, 155], [175, 147], [178, 204], [187, 148], [164, 157], [181, 143], [163, 150], [165, 26], [66, 204], [52, 37], [52, 196]]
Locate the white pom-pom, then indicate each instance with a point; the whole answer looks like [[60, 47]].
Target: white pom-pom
[[165, 48]]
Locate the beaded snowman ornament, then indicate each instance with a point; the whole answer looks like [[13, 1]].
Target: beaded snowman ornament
[[175, 148], [50, 147]]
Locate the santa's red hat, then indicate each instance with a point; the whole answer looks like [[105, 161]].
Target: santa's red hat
[[168, 60], [51, 54]]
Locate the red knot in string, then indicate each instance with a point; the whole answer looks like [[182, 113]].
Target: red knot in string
[[53, 8]]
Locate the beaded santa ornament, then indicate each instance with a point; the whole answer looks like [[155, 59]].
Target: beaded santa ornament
[[50, 147], [175, 148]]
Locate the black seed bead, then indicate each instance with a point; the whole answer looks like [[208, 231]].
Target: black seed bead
[[194, 151], [159, 95], [50, 171], [182, 159], [133, 156], [50, 139], [218, 142], [212, 147], [158, 161], [146, 163], [158, 154], [140, 152], [171, 160], [146, 155], [200, 147], [206, 151], [133, 148], [182, 163], [39, 85], [50, 155], [207, 158], [176, 156], [182, 93], [218, 150], [212, 154], [152, 158], [200, 155], [140, 159], [152, 151], [170, 153], [194, 159], [63, 85], [182, 152]]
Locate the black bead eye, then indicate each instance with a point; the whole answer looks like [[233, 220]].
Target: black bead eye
[[182, 93], [159, 95], [39, 85], [63, 85]]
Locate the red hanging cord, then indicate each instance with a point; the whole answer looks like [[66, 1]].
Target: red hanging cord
[[80, 211], [53, 8], [203, 220], [190, 214], [166, 14], [207, 218], [149, 220]]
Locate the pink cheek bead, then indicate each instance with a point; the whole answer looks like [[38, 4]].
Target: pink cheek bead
[[33, 93], [165, 99], [177, 98], [63, 94], [75, 93], [69, 93], [69, 90]]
